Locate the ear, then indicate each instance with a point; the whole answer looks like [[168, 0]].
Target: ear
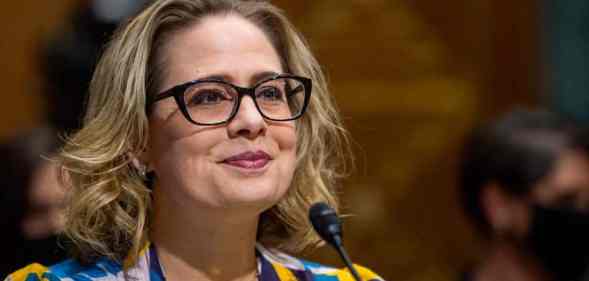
[[137, 164], [145, 158], [496, 207], [505, 212], [141, 161]]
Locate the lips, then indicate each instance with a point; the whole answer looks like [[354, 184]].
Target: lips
[[249, 160]]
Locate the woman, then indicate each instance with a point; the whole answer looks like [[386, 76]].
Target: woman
[[202, 150]]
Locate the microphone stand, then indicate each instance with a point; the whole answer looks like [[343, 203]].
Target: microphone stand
[[327, 224], [344, 255]]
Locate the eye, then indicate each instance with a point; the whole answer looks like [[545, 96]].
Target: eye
[[270, 93], [298, 89], [207, 97]]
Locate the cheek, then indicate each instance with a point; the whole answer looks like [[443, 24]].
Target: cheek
[[181, 166], [169, 124], [285, 137], [286, 140], [179, 151]]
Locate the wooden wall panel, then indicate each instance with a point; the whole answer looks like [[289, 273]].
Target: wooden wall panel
[[24, 24]]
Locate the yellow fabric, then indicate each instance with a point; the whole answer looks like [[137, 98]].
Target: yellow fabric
[[344, 274], [23, 273], [130, 262], [283, 273], [365, 274]]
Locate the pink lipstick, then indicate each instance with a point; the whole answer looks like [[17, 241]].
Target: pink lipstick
[[249, 160]]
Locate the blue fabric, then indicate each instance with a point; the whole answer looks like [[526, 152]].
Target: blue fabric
[[76, 271]]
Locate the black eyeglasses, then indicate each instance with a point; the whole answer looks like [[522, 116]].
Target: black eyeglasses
[[213, 102]]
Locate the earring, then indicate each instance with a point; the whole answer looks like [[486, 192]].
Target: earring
[[139, 167], [143, 172]]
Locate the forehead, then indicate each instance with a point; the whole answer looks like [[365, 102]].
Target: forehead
[[227, 45], [569, 177]]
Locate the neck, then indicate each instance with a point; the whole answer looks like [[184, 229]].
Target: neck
[[506, 262], [204, 245]]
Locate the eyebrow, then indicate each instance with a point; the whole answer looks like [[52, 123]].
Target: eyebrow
[[256, 78]]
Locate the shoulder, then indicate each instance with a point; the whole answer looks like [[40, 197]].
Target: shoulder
[[67, 270], [33, 271], [103, 269], [290, 268]]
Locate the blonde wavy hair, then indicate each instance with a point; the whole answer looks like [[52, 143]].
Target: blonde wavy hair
[[109, 204]]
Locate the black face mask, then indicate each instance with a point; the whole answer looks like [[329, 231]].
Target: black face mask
[[559, 238]]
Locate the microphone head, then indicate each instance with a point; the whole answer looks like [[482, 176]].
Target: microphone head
[[326, 223]]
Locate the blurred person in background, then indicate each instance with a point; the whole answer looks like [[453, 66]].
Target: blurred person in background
[[31, 201], [525, 184], [31, 197], [69, 59]]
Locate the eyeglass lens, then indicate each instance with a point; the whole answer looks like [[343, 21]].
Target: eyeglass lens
[[214, 102]]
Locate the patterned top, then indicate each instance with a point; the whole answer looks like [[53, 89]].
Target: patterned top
[[272, 266]]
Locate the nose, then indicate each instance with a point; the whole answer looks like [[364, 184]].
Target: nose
[[248, 122]]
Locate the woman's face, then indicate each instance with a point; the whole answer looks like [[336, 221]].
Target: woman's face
[[246, 163], [566, 186]]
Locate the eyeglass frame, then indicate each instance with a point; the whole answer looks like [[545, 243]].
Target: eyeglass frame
[[178, 92]]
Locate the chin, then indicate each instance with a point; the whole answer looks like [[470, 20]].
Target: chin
[[248, 194]]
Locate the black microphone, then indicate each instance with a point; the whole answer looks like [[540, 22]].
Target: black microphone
[[327, 224]]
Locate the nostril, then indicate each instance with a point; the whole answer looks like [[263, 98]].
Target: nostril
[[244, 132], [251, 131]]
